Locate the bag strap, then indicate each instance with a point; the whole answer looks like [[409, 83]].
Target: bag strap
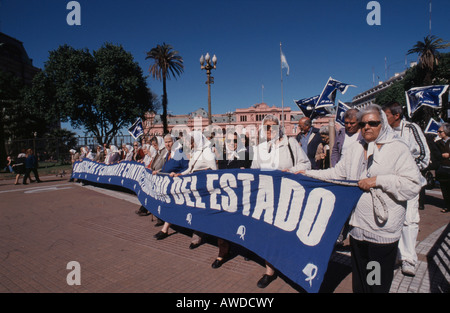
[[292, 154]]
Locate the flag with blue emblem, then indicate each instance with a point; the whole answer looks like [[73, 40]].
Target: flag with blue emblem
[[430, 96], [328, 96], [340, 112], [307, 107], [136, 130], [432, 127]]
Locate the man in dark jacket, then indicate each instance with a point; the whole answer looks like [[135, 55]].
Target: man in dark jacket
[[309, 138]]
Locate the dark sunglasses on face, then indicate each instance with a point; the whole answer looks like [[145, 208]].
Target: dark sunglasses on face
[[440, 131], [371, 124]]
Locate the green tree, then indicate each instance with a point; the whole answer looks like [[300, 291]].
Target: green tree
[[414, 77], [18, 119], [167, 63], [9, 96], [428, 51], [101, 92], [58, 143]]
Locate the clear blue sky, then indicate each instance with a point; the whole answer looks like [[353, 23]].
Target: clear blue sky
[[320, 39]]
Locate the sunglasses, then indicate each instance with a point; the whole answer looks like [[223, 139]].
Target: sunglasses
[[440, 131], [371, 124]]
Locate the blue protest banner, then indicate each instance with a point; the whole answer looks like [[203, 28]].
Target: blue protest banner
[[292, 221]]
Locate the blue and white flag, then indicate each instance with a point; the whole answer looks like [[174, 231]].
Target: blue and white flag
[[328, 96], [291, 221], [432, 127], [136, 130], [341, 109], [428, 96], [307, 106]]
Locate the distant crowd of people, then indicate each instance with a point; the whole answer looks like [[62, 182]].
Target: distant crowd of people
[[388, 156]]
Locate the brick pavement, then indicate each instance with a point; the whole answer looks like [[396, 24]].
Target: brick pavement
[[45, 226]]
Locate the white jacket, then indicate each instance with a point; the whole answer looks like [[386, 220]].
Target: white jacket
[[202, 157], [277, 156], [397, 180], [416, 141]]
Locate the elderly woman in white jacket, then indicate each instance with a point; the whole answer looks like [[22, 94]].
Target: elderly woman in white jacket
[[277, 152], [201, 158], [384, 168]]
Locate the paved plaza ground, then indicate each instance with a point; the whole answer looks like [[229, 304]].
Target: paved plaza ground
[[45, 226]]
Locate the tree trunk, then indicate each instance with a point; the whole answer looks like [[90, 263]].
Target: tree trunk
[[2, 146], [164, 105]]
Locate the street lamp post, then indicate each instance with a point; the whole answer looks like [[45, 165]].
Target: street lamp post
[[205, 62]]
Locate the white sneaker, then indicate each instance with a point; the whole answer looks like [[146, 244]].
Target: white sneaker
[[408, 269]]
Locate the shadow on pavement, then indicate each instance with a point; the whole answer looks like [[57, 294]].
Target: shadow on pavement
[[439, 263]]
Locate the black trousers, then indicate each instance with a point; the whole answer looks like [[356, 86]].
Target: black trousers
[[28, 172], [375, 277], [445, 188]]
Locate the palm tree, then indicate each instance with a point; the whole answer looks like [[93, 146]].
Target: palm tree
[[429, 54], [167, 63]]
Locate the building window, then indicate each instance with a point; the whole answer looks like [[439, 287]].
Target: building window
[[243, 118], [260, 117]]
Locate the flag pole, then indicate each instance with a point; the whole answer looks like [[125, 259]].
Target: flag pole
[[282, 100]]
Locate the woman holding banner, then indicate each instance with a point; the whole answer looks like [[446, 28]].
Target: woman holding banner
[[202, 158], [277, 152], [175, 162], [384, 168], [149, 154], [235, 155]]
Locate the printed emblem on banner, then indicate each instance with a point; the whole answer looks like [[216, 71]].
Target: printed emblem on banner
[[241, 232], [310, 271], [189, 218]]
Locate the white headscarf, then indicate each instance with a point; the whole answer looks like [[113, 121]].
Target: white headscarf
[[200, 141], [386, 135], [107, 156], [175, 151], [129, 155], [262, 130], [231, 153], [160, 141], [113, 149], [176, 144]]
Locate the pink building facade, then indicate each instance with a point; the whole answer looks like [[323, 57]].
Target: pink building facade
[[245, 121]]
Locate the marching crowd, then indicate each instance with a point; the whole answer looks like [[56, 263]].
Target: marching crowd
[[386, 154]]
